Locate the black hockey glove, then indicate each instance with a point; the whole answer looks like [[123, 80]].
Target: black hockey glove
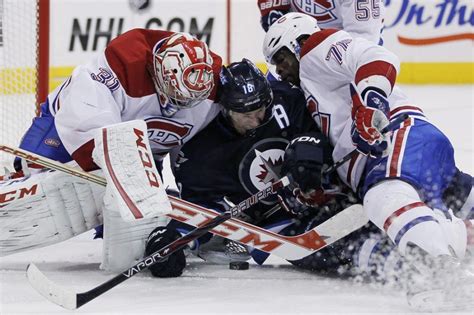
[[174, 265], [304, 159]]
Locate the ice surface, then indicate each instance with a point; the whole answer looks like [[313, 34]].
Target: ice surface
[[276, 288]]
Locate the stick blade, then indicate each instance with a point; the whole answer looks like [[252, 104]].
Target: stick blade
[[48, 289]]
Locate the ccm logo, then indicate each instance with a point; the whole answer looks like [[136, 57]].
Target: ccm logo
[[226, 229], [146, 159], [18, 194]]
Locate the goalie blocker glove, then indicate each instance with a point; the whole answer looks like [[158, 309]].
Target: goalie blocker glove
[[174, 265]]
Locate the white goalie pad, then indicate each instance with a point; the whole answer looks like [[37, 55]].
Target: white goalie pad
[[46, 208], [124, 241], [133, 182]]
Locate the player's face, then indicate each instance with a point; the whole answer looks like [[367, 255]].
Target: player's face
[[287, 66], [244, 122]]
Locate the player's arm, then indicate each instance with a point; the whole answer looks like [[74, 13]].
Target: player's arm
[[88, 102], [373, 71], [364, 19], [271, 10]]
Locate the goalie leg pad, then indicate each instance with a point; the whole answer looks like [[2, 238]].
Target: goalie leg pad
[[44, 209], [124, 241], [123, 153]]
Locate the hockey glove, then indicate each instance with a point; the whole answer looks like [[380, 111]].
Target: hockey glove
[[271, 11], [375, 150], [304, 158], [319, 197], [371, 118], [174, 265]]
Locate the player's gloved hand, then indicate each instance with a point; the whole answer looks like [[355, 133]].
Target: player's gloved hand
[[174, 265], [272, 11], [289, 203], [372, 117], [317, 197], [304, 161], [375, 150]]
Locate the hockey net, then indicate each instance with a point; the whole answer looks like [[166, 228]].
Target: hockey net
[[24, 67]]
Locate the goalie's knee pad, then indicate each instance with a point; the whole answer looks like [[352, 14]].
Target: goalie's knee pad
[[174, 265], [395, 207]]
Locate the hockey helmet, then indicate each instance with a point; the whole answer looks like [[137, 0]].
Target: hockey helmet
[[244, 87], [183, 73], [286, 31]]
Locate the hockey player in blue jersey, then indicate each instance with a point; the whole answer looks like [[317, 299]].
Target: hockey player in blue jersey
[[241, 151]]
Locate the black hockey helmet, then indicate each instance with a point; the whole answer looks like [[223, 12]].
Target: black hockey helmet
[[244, 87]]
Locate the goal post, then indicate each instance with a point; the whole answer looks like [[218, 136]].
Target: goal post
[[24, 67]]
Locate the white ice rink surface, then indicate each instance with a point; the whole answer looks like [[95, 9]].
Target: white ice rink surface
[[211, 289]]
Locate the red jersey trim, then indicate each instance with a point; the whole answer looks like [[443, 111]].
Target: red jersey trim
[[379, 67], [83, 156], [315, 39]]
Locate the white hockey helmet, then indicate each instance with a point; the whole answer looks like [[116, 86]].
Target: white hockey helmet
[[183, 73], [286, 31]]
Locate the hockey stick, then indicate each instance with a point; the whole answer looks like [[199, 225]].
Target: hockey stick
[[338, 226], [295, 247], [72, 301], [400, 119], [290, 248]]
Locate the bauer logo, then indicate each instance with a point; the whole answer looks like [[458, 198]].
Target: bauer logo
[[449, 20]]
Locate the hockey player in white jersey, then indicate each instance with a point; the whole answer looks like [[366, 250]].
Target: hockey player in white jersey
[[358, 18], [164, 78], [146, 83], [407, 179]]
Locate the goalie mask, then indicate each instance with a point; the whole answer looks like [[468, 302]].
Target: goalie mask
[[285, 32], [182, 73]]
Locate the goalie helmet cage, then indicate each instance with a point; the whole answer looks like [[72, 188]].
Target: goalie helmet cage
[[24, 67]]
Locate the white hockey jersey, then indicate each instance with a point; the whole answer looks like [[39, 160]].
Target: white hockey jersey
[[359, 18], [116, 87], [330, 61]]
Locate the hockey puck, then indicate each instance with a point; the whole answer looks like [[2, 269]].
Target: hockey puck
[[239, 265]]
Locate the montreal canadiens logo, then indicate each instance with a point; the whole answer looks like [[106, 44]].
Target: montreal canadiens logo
[[261, 166], [167, 132], [319, 9]]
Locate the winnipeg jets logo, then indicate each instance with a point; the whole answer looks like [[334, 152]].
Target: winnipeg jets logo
[[269, 168], [262, 165], [321, 10]]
